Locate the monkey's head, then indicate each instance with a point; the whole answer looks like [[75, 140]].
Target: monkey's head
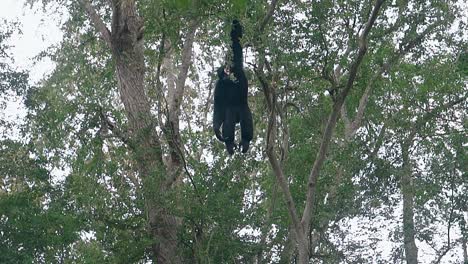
[[223, 72]]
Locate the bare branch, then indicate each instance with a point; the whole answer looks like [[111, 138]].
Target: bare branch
[[206, 110], [406, 47], [270, 96], [351, 127], [464, 244], [362, 106], [346, 120]]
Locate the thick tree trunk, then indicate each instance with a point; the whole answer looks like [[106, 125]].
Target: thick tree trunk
[[407, 188], [126, 43], [164, 234], [303, 253]]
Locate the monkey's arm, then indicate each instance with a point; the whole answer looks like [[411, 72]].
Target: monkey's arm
[[237, 57]]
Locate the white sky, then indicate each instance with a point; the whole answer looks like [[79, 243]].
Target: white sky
[[39, 31]]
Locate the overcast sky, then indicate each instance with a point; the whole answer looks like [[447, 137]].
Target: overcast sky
[[39, 30]]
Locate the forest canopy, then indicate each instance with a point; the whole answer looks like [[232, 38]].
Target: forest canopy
[[360, 116]]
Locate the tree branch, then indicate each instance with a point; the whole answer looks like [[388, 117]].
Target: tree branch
[[362, 105], [433, 114], [378, 142], [269, 92], [333, 118], [281, 178], [269, 15], [347, 121], [175, 100], [351, 127], [98, 23]]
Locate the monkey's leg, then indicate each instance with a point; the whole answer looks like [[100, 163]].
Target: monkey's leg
[[229, 126]]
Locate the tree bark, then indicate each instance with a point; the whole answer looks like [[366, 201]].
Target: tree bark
[[303, 253], [126, 44]]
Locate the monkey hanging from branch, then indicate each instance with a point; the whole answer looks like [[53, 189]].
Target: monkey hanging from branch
[[230, 98]]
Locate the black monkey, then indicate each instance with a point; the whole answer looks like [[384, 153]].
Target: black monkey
[[230, 98]]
